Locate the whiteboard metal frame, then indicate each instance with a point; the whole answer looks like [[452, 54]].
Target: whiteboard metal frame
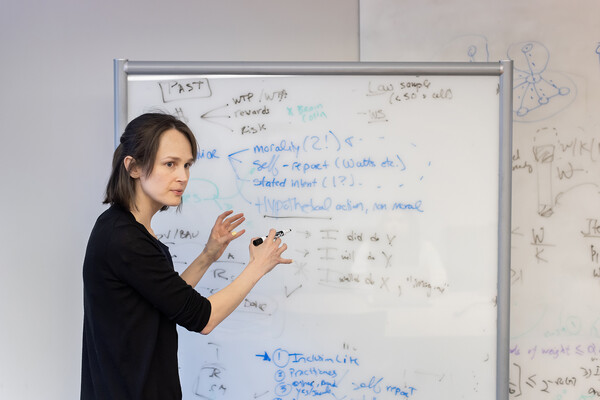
[[503, 69]]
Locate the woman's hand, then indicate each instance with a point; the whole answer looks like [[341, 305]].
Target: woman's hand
[[267, 255], [222, 233], [263, 258]]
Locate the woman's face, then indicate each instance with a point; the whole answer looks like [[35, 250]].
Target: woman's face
[[169, 177]]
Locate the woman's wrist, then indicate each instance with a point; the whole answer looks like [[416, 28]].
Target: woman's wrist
[[208, 256], [202, 262], [253, 272]]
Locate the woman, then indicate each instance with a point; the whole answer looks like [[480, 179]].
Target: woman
[[133, 298]]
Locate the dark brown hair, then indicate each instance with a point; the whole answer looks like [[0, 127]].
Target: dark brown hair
[[140, 141]]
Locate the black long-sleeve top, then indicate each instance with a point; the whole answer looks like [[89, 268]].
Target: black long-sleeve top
[[133, 298]]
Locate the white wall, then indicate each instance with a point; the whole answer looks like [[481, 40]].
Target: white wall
[[56, 99]]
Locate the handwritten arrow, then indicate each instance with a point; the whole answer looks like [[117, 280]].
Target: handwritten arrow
[[265, 356], [239, 181], [305, 252], [307, 233], [209, 118], [232, 159]]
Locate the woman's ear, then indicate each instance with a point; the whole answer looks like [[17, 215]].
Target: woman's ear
[[131, 167]]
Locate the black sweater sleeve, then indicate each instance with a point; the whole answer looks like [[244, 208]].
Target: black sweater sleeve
[[137, 259]]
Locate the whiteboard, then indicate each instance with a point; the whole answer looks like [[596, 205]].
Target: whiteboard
[[555, 301], [393, 179]]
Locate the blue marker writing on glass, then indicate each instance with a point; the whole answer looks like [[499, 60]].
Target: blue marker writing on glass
[[278, 234]]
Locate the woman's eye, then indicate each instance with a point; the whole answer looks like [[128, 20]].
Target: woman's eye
[[188, 165], [169, 164]]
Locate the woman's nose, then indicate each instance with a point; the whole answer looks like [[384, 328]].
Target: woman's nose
[[183, 174]]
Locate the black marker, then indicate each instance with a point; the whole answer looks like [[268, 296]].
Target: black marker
[[278, 234]]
